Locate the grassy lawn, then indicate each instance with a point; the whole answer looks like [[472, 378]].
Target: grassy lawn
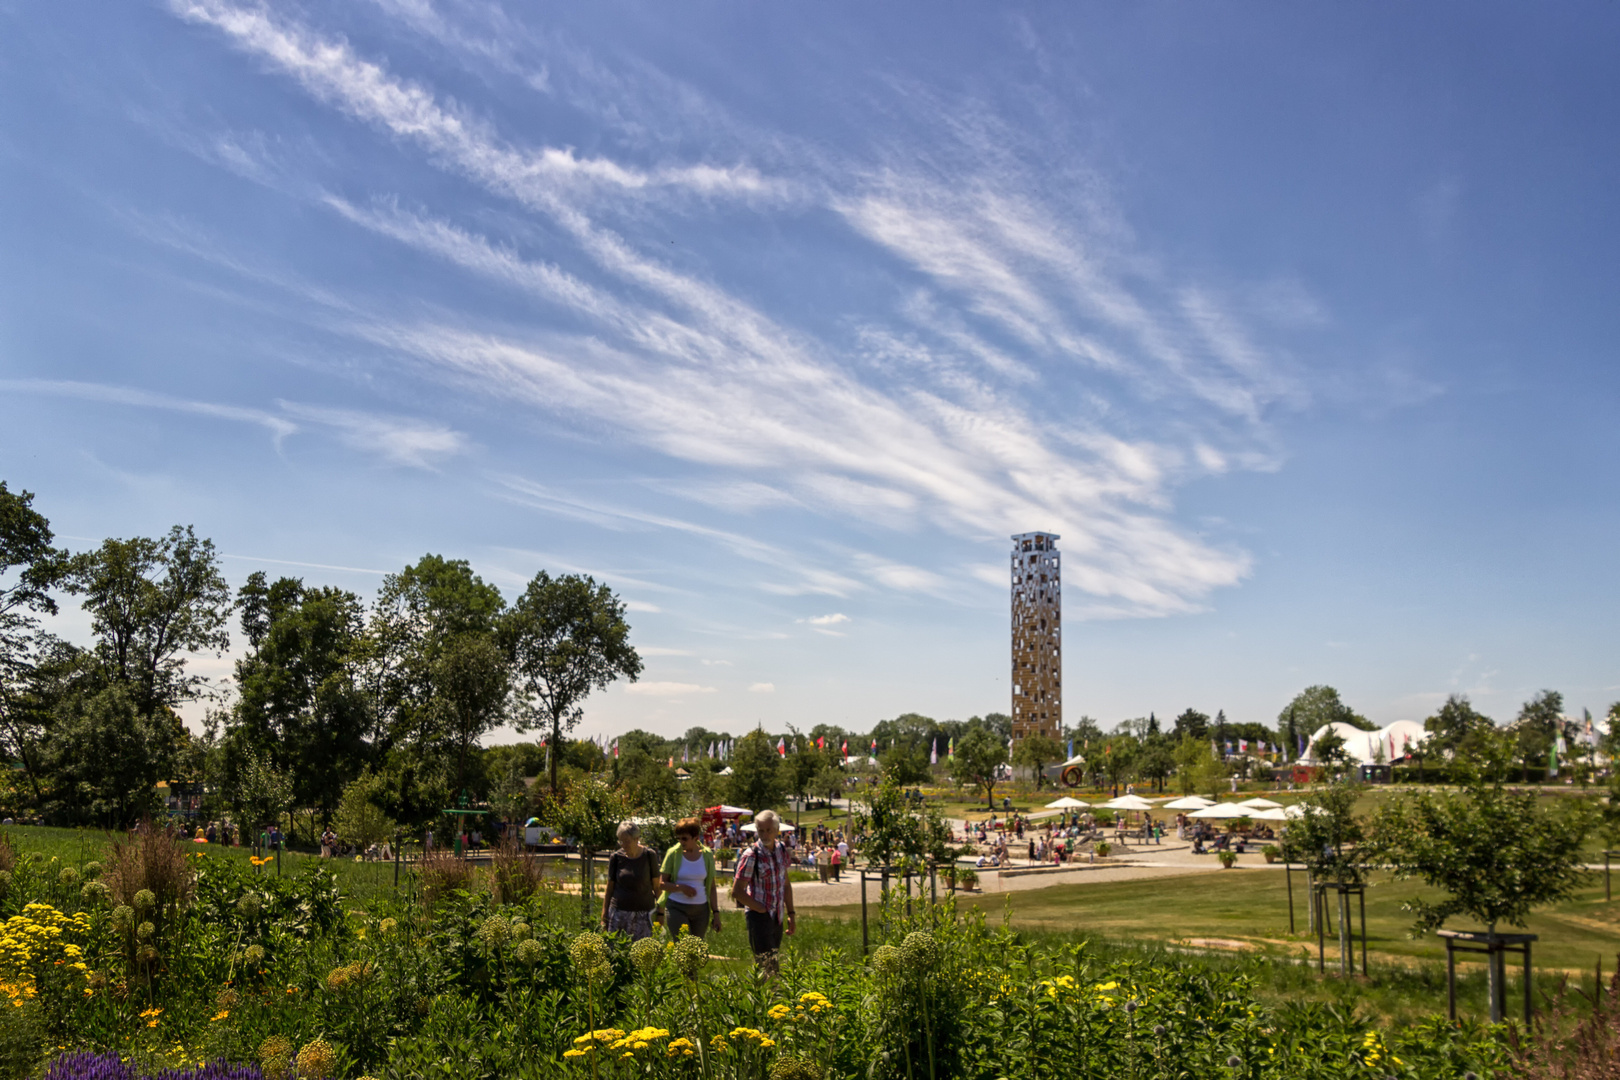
[[1251, 907]]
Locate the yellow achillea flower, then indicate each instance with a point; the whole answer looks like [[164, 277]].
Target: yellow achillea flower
[[779, 1012], [814, 1002]]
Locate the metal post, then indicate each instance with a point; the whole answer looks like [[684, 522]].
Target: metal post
[[1607, 894], [1451, 982], [1363, 895], [1495, 971], [1288, 874], [1527, 984], [1321, 937], [1344, 932], [396, 861], [866, 941]]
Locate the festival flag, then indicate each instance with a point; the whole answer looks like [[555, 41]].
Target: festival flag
[[1301, 745], [950, 747], [1243, 746], [781, 748], [846, 750], [874, 746], [1071, 746], [615, 749]]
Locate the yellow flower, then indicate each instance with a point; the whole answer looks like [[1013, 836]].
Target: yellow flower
[[575, 1053], [222, 1014], [779, 1012]]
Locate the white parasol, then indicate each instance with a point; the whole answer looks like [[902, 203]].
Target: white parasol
[[1190, 802]]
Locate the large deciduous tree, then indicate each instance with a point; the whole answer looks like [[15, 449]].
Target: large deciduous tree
[[299, 704], [568, 638], [978, 760], [1036, 752], [756, 781], [29, 565], [151, 602], [1316, 706]]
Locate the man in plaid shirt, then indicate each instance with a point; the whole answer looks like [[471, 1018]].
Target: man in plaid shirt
[[761, 886]]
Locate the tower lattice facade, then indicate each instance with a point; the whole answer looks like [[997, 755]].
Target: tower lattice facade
[[1037, 636]]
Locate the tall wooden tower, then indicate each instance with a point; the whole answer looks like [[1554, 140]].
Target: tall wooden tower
[[1037, 636]]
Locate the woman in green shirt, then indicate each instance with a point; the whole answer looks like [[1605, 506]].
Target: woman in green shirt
[[688, 873]]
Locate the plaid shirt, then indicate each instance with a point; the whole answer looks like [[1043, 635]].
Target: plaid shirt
[[764, 876]]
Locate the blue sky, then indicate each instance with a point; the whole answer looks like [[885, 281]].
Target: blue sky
[[1296, 321]]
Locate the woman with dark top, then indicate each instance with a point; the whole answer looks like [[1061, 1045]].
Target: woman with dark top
[[633, 886]]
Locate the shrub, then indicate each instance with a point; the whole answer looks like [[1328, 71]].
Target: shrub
[[443, 873]]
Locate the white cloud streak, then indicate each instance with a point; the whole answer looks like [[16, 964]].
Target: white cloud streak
[[684, 368]]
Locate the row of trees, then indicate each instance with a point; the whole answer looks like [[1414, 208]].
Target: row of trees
[[331, 691]]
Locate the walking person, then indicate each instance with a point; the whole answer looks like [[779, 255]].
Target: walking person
[[689, 883], [761, 886], [633, 886]]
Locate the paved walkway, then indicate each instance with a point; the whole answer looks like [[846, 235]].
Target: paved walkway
[[1172, 859]]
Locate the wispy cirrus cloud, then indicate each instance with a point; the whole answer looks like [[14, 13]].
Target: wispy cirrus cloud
[[400, 440], [944, 417]]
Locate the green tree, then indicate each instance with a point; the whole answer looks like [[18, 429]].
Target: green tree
[[1496, 853], [1316, 706], [1538, 726], [360, 821], [802, 765], [471, 679], [151, 603], [1190, 753], [1036, 752], [29, 566], [417, 613], [1117, 758], [1458, 729], [979, 757], [907, 764], [568, 638], [756, 773], [262, 793], [106, 756], [899, 830], [1155, 760], [299, 703], [1327, 838], [1192, 724]]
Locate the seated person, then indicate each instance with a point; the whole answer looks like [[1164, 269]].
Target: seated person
[[1198, 844]]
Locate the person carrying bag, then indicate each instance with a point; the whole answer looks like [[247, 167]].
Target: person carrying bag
[[689, 883]]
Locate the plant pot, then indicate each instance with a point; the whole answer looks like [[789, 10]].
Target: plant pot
[[1270, 857]]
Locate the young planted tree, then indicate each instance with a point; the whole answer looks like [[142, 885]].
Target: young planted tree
[[757, 781], [1495, 853], [568, 638]]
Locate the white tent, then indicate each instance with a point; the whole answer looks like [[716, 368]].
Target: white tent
[[1261, 804], [1190, 802], [1222, 811], [1067, 803], [1127, 802], [1366, 747]]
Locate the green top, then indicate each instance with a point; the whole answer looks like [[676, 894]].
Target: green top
[[672, 869]]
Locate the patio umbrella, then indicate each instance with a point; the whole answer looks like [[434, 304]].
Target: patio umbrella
[[1127, 802], [1273, 813], [1190, 802], [1067, 803], [1298, 811], [1222, 811], [1261, 804], [781, 826]]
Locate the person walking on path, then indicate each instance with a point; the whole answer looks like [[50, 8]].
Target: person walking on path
[[633, 886], [761, 886], [689, 883]]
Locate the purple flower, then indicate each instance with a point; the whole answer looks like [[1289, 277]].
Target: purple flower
[[107, 1066]]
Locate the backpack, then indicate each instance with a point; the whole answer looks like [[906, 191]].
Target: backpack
[[753, 871]]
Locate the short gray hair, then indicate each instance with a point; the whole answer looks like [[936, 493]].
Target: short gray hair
[[767, 817], [628, 828]]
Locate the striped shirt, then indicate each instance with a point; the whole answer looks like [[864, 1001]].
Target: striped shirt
[[764, 876]]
